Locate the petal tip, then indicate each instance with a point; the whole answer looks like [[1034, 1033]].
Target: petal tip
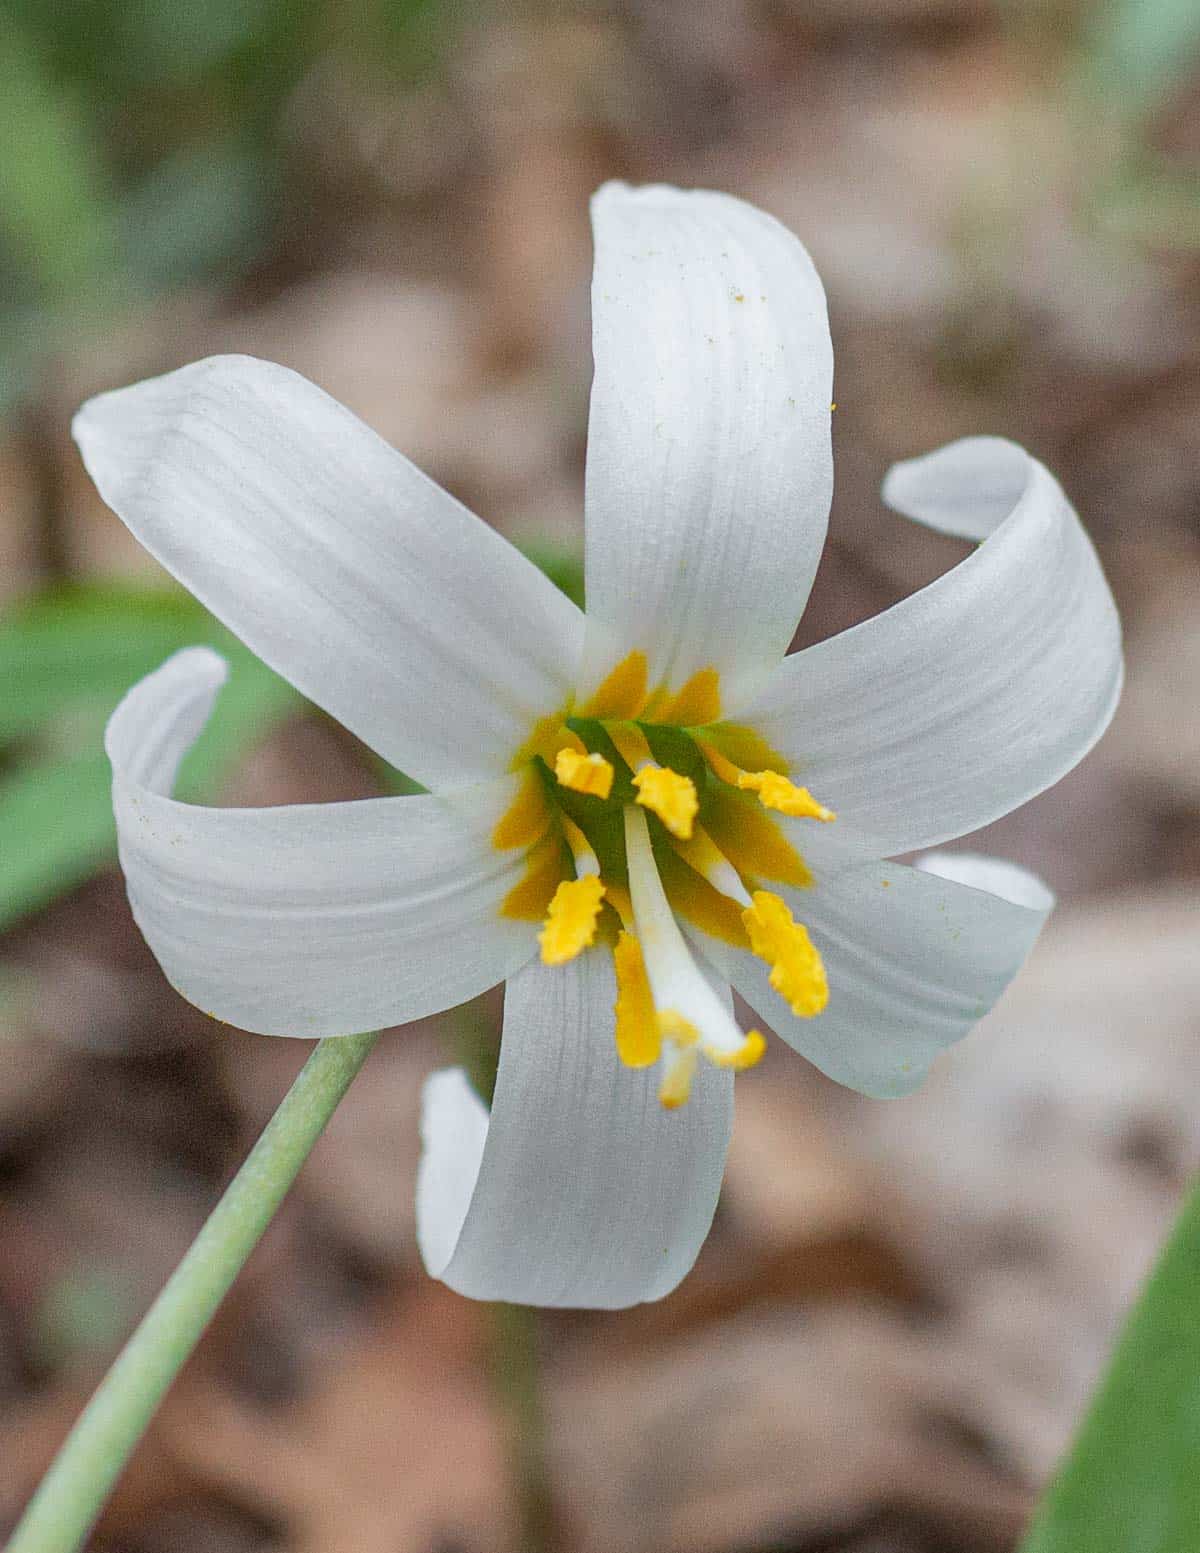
[[985, 473], [994, 875]]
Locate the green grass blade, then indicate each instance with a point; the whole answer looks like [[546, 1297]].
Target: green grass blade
[[1131, 1483], [56, 830]]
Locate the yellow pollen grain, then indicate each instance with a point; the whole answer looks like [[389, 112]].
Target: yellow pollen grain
[[571, 920], [776, 792], [584, 773], [749, 1053], [676, 1086], [669, 795], [797, 972], [639, 1043]]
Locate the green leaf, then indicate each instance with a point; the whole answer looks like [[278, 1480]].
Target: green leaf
[[1131, 1483], [252, 702], [55, 204], [56, 830], [202, 212], [66, 658], [65, 661], [87, 645]]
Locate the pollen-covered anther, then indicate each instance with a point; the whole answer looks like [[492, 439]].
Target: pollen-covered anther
[[797, 972], [589, 773], [571, 920], [639, 1041], [776, 792], [669, 795]]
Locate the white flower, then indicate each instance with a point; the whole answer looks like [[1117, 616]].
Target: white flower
[[597, 783]]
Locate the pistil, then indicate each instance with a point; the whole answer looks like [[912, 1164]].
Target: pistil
[[689, 1012]]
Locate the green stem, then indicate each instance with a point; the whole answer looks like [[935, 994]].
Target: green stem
[[73, 1492], [516, 1371]]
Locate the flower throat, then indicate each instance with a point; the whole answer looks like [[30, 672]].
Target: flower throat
[[643, 807]]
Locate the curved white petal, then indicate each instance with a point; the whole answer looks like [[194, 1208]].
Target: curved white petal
[[580, 1190], [915, 957], [337, 561], [709, 469], [311, 920], [974, 694]]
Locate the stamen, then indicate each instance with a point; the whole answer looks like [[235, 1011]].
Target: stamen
[[776, 792], [669, 795], [773, 789], [639, 1040], [584, 773], [797, 972], [586, 861], [631, 745], [703, 854], [571, 920], [664, 792], [688, 1007]]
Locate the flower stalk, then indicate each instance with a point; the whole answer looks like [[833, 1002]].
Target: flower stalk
[[516, 1375], [73, 1492]]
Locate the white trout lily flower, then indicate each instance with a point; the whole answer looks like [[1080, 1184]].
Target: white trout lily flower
[[626, 813]]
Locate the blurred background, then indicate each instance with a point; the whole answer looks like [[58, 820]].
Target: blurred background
[[903, 1307]]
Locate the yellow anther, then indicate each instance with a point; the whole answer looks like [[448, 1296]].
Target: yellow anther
[[745, 1057], [639, 1043], [797, 973], [671, 796], [776, 792], [584, 773], [676, 1086], [571, 920]]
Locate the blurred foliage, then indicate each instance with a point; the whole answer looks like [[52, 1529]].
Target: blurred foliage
[[1138, 52], [1132, 1480], [1134, 57], [66, 658], [145, 143]]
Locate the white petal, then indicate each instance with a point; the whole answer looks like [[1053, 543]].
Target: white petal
[[709, 469], [311, 920], [580, 1190], [915, 958], [337, 561], [968, 698]]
